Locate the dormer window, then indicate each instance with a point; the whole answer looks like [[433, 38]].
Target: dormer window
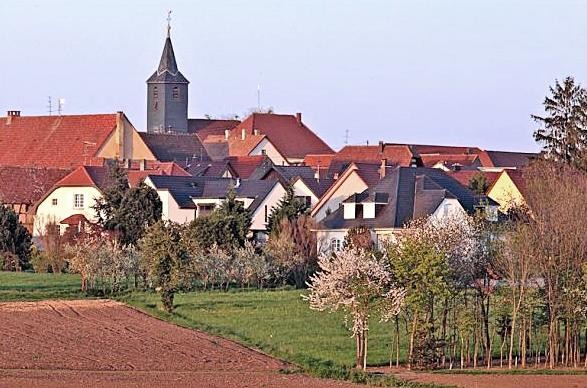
[[175, 93]]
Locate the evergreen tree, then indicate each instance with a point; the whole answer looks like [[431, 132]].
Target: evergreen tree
[[227, 227], [478, 183], [563, 130], [288, 207], [14, 239], [125, 210]]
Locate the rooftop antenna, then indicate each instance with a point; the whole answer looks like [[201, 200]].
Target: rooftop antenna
[[258, 97], [169, 23], [49, 106], [60, 104], [346, 137]]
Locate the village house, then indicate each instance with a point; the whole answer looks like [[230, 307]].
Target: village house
[[72, 198], [186, 198], [68, 141], [403, 194]]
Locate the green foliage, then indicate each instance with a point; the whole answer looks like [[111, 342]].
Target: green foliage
[[227, 227], [125, 210], [288, 207], [164, 259], [478, 183], [563, 131], [14, 240]]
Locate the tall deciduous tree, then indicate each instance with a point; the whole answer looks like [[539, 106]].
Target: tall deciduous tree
[[563, 131], [165, 260]]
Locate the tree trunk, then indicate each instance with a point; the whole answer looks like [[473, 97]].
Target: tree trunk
[[412, 334]]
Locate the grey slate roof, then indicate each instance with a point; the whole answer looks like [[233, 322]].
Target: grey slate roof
[[184, 149], [184, 188], [411, 192], [167, 72], [288, 174]]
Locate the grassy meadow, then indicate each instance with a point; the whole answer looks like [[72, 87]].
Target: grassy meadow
[[23, 286]]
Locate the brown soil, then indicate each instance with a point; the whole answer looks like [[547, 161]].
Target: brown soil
[[492, 380], [99, 343]]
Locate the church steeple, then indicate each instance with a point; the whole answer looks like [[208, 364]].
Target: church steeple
[[167, 93]]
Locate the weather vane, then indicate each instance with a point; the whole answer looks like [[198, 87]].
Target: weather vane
[[169, 23]]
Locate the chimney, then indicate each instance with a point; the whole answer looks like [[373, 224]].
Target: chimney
[[256, 132], [243, 134], [226, 134], [382, 168], [10, 114], [237, 183], [381, 146], [142, 164], [299, 118]]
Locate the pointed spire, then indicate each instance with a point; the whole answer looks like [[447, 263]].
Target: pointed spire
[[167, 62], [167, 70]]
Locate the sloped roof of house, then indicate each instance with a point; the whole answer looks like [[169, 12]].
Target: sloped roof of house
[[239, 166], [206, 127], [289, 175], [53, 141], [465, 176], [291, 137], [510, 159], [183, 189], [399, 155], [411, 192], [181, 148], [26, 185]]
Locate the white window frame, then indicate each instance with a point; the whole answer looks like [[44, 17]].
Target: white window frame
[[78, 201]]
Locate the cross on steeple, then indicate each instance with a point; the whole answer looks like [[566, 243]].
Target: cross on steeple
[[169, 23]]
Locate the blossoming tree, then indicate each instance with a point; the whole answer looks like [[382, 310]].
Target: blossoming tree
[[359, 284]]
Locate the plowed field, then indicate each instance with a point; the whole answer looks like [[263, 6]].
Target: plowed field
[[99, 343]]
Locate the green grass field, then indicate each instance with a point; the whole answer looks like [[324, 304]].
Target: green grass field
[[278, 322], [22, 286]]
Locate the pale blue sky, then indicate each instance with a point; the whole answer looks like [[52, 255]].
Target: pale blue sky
[[444, 72]]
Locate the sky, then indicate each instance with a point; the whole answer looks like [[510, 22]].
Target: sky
[[423, 72]]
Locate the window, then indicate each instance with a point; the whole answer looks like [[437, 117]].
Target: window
[[335, 245], [175, 94], [155, 92], [78, 201], [54, 202], [306, 200], [263, 152]]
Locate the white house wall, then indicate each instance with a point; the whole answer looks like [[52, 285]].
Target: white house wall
[[353, 184], [270, 151], [270, 201], [47, 212], [301, 190]]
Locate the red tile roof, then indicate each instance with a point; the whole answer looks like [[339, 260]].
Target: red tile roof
[[318, 160], [291, 137], [399, 155], [206, 127], [53, 141], [74, 220], [25, 185], [245, 165], [96, 176]]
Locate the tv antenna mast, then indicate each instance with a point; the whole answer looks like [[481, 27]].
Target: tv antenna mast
[[49, 106], [346, 137], [60, 105]]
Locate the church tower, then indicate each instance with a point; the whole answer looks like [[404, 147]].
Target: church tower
[[167, 94]]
